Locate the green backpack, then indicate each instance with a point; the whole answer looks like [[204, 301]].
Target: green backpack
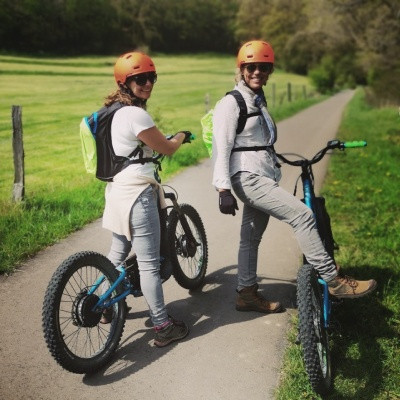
[[207, 120], [98, 153], [88, 143]]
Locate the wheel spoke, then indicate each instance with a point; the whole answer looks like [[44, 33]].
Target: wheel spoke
[[188, 250], [71, 325], [191, 265]]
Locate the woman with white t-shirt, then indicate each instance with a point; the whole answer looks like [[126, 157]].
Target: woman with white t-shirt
[[131, 211]]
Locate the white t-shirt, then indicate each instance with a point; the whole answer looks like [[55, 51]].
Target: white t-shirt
[[127, 185], [127, 123]]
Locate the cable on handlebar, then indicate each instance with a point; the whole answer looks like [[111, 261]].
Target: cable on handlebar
[[332, 144]]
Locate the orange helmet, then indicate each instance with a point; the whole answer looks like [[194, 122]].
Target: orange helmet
[[130, 64], [255, 51]]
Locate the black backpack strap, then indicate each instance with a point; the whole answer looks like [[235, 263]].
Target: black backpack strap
[[142, 160], [138, 151], [243, 115], [242, 110], [253, 148]]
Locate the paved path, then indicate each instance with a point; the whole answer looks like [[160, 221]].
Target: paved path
[[228, 355]]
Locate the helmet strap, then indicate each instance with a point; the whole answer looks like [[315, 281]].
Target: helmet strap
[[136, 101], [244, 81], [126, 89]]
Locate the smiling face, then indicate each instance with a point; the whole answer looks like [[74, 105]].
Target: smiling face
[[256, 74], [141, 91], [141, 85]]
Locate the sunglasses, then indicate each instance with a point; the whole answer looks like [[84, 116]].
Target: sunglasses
[[141, 79], [262, 67]]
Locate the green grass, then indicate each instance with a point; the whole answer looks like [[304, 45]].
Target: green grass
[[55, 94], [362, 191]]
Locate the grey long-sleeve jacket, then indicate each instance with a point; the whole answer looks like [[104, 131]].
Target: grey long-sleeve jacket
[[255, 133]]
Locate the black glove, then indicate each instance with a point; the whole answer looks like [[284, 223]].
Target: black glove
[[188, 136], [227, 203]]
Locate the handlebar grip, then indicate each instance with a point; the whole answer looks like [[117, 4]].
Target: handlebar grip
[[191, 137], [188, 136], [355, 143]]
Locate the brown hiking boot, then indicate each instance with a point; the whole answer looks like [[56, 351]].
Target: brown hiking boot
[[249, 300], [349, 288]]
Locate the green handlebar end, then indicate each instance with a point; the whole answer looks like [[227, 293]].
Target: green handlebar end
[[355, 143]]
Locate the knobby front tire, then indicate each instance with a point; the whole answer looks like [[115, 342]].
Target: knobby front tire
[[312, 333], [189, 259], [73, 332]]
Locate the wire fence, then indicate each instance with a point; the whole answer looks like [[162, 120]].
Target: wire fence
[[278, 94]]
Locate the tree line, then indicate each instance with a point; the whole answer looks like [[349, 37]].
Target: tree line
[[337, 42]]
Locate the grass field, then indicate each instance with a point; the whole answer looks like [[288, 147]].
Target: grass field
[[55, 94], [362, 190]]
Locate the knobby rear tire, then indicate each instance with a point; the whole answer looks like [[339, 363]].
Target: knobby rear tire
[[189, 262], [312, 332], [75, 337]]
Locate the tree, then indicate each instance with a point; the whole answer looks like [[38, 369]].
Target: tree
[[188, 25], [58, 26], [283, 20], [374, 27], [249, 18]]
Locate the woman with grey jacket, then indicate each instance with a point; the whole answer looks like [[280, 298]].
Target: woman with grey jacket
[[247, 163]]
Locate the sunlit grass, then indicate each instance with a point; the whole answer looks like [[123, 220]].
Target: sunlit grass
[[362, 191], [54, 95]]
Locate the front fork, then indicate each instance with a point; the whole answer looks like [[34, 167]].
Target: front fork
[[326, 303], [182, 219], [105, 300], [308, 200]]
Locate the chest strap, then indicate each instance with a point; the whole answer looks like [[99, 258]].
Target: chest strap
[[253, 148], [141, 160]]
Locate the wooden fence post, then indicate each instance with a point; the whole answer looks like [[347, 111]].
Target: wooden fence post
[[289, 92], [273, 94], [207, 102], [18, 149]]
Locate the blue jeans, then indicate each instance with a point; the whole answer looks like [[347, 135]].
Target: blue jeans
[[262, 198], [145, 230]]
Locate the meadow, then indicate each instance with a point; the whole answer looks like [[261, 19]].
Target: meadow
[[362, 190], [55, 94]]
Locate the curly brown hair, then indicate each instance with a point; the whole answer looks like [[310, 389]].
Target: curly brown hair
[[125, 96]]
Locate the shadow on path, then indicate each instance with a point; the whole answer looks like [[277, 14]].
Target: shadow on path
[[205, 310]]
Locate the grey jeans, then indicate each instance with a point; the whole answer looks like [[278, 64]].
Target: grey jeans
[[145, 229], [262, 198]]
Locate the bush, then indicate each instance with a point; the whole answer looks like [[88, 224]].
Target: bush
[[384, 88], [323, 76], [335, 73]]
